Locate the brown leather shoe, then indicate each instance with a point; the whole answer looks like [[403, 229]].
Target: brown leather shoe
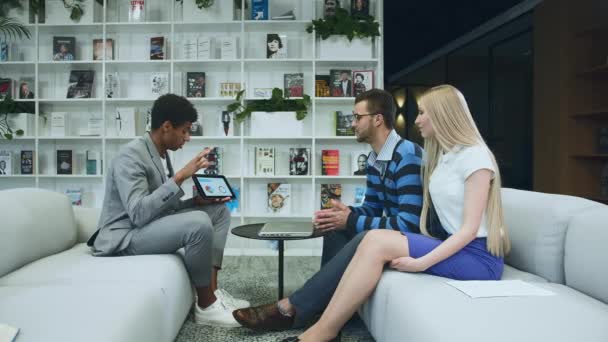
[[263, 318]]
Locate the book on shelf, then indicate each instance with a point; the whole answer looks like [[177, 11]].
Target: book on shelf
[[203, 48], [329, 192], [330, 162], [8, 333], [299, 161], [359, 196], [137, 10], [294, 84], [602, 141], [196, 130], [259, 10], [279, 201], [226, 123], [25, 88], [276, 46], [98, 46], [228, 47], [159, 83], [59, 124], [322, 86], [341, 84], [364, 81], [344, 121], [6, 88], [264, 161], [229, 89], [147, 114], [265, 93], [195, 84], [94, 127], [80, 84], [74, 195], [289, 15], [125, 122], [64, 48], [6, 163], [233, 205], [359, 163], [359, 8], [189, 49], [65, 162], [215, 161], [4, 51], [93, 162], [112, 85], [157, 48], [27, 162], [329, 8]]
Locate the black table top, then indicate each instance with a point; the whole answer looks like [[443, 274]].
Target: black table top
[[250, 231]]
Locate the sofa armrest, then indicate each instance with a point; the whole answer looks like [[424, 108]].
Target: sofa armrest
[[86, 222]]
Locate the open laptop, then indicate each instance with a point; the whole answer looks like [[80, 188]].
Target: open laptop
[[286, 229]]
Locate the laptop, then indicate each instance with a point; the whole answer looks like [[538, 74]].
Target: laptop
[[286, 229]]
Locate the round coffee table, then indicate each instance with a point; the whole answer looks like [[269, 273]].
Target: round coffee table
[[250, 231]]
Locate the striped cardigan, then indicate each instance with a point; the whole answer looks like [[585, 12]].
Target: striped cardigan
[[395, 200]]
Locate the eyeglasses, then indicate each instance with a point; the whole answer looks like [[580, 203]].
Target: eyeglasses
[[358, 116]]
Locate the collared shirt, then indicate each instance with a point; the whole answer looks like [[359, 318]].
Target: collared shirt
[[380, 160]]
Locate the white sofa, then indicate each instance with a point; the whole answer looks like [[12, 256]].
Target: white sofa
[[558, 242], [52, 289]]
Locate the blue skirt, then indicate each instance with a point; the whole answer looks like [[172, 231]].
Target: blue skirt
[[473, 262]]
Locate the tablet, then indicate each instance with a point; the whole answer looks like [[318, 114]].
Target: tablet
[[212, 186]]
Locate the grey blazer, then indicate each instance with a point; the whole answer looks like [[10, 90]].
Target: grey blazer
[[137, 192]]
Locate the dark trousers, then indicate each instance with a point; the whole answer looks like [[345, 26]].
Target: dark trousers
[[333, 243], [312, 298]]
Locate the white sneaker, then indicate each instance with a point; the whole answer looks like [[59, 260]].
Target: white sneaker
[[229, 300], [217, 314]]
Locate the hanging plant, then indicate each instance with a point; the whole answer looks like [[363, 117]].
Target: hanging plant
[[359, 26], [277, 103], [204, 3], [75, 7]]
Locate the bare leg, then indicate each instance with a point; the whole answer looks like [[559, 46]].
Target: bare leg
[[358, 282], [213, 284], [205, 296]]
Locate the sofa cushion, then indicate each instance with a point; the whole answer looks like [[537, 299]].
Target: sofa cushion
[[586, 258], [77, 266], [420, 307], [117, 313], [512, 273], [35, 223], [537, 225], [86, 222]]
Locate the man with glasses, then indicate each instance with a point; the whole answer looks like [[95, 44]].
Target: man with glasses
[[393, 200]]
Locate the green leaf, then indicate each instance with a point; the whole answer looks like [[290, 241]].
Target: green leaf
[[13, 29], [19, 132], [8, 136], [233, 107], [239, 95]]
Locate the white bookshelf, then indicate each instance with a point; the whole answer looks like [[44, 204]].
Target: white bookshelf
[[251, 69]]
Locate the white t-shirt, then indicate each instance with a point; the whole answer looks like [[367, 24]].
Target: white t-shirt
[[447, 184]]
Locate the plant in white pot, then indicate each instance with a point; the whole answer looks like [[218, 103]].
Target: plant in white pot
[[277, 116], [345, 36]]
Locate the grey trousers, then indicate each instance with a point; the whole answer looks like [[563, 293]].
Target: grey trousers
[[312, 298], [201, 231]]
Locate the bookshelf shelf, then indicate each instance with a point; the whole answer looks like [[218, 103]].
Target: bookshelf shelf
[[591, 156], [594, 114], [131, 61]]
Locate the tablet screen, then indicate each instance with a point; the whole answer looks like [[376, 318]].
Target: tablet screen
[[213, 186]]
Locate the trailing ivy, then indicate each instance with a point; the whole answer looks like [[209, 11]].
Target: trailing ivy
[[359, 26], [277, 103]]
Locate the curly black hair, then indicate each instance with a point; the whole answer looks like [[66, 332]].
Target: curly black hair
[[174, 108]]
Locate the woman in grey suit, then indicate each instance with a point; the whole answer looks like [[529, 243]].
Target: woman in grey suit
[[143, 214]]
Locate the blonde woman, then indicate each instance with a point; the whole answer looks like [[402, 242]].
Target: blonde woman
[[461, 194]]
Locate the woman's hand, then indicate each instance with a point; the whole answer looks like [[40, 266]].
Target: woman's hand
[[409, 264]]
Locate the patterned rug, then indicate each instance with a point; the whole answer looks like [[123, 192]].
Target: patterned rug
[[255, 278]]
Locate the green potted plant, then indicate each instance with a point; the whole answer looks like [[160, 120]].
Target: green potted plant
[[345, 36], [8, 106], [277, 116]]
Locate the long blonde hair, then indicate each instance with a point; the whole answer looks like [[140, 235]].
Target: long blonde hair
[[453, 125]]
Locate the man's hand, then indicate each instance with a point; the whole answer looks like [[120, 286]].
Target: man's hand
[[197, 163], [409, 264], [198, 200], [331, 219]]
